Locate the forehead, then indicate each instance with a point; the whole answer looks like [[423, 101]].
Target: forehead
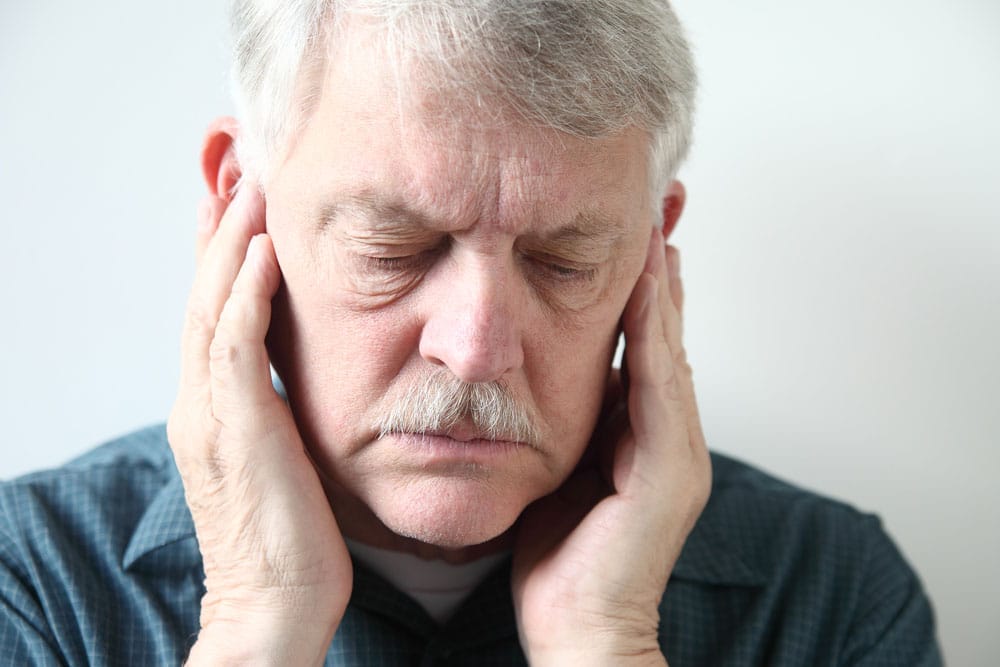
[[381, 132]]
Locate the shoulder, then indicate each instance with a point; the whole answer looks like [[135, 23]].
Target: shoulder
[[784, 532], [72, 544], [105, 488], [794, 573], [763, 514], [146, 449]]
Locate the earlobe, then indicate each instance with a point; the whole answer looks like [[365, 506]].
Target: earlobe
[[673, 206], [219, 164]]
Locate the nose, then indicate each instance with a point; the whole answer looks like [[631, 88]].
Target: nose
[[472, 325]]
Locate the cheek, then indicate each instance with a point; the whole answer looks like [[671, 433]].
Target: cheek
[[335, 361], [568, 362], [567, 369]]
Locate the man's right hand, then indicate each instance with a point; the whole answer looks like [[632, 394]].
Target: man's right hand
[[277, 572]]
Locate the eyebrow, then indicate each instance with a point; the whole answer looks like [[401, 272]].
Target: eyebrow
[[591, 228], [383, 212]]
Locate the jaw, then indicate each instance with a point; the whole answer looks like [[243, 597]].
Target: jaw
[[453, 519]]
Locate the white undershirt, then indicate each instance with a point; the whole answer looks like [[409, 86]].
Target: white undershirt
[[438, 586]]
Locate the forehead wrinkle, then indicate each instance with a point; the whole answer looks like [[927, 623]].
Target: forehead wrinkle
[[589, 230]]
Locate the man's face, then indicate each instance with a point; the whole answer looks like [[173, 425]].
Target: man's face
[[498, 252]]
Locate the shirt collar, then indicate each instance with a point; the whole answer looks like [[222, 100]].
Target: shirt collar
[[487, 615], [166, 526]]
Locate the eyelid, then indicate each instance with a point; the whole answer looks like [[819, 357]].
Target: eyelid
[[397, 261], [563, 270], [567, 274]]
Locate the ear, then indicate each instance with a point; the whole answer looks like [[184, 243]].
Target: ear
[[673, 206], [219, 164]]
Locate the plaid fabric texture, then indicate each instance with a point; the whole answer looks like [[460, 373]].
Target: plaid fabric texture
[[99, 566]]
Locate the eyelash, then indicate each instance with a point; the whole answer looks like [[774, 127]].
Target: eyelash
[[553, 271], [393, 263], [401, 263], [566, 274]]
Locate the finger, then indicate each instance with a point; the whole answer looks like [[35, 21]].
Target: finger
[[213, 283], [667, 470], [241, 377], [210, 211], [656, 399], [668, 310], [674, 275], [666, 266]]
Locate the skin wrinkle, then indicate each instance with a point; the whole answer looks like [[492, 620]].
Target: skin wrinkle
[[392, 228], [486, 308], [591, 231]]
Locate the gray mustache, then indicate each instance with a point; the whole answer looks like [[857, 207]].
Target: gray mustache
[[441, 401]]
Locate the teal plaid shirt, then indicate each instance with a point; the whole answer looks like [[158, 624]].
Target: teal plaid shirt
[[99, 566]]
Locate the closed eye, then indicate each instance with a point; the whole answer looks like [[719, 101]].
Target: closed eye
[[559, 271], [392, 264]]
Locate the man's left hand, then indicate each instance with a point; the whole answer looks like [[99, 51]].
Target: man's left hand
[[592, 560]]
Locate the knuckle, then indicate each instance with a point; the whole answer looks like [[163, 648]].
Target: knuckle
[[671, 385], [192, 429], [198, 321], [223, 355], [203, 471], [227, 355], [244, 285], [230, 335], [682, 364]]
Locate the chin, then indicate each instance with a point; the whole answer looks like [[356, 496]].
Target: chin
[[449, 513]]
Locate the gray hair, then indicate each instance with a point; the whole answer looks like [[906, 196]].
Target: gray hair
[[590, 68], [440, 402]]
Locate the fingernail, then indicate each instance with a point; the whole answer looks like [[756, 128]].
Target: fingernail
[[675, 264]]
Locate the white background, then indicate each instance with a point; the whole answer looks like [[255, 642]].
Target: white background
[[840, 249]]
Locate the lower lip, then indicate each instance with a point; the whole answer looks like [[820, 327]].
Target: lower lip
[[442, 449]]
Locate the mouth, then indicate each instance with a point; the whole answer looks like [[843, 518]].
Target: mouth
[[466, 434], [463, 432], [460, 438], [454, 446]]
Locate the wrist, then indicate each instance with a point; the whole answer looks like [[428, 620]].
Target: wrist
[[581, 657], [588, 642], [253, 649], [252, 640]]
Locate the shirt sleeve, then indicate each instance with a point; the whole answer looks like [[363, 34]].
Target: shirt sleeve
[[894, 624]]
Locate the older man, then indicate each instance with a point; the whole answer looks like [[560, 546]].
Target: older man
[[435, 219]]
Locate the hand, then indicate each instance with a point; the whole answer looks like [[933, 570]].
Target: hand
[[277, 572], [591, 561]]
